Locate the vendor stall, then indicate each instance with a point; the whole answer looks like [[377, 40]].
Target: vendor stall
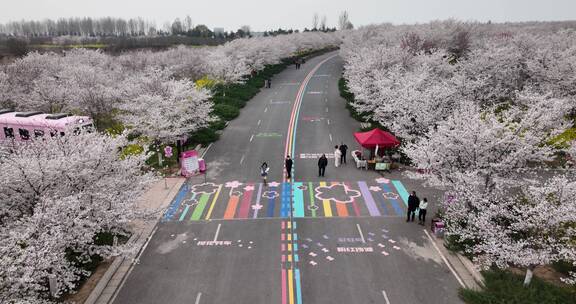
[[376, 141]]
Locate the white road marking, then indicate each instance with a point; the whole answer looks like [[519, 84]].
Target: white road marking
[[198, 298], [385, 297], [242, 159], [265, 109], [326, 110], [217, 232], [330, 136], [361, 234], [146, 244], [444, 259], [259, 121], [251, 137], [328, 121], [204, 153], [326, 99]]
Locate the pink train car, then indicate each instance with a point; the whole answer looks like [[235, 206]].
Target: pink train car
[[23, 126]]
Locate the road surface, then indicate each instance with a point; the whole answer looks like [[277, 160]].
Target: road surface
[[338, 239]]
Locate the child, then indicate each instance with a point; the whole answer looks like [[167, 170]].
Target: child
[[264, 172]]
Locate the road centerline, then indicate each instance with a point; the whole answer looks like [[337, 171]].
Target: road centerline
[[361, 234], [385, 297], [217, 232]]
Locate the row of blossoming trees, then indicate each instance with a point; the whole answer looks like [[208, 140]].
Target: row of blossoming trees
[[60, 195], [477, 105]]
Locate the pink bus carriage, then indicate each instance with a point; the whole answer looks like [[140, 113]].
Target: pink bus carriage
[[23, 126]]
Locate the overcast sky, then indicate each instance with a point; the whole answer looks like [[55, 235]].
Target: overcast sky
[[269, 14]]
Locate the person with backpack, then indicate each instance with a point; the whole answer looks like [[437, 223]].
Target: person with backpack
[[264, 173]]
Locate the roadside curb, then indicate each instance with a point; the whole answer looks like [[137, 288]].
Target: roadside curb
[[472, 269], [467, 272], [110, 283]]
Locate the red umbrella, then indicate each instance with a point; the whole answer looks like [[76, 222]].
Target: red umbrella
[[376, 138]]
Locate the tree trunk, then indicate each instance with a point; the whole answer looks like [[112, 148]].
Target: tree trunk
[[529, 274], [159, 157]]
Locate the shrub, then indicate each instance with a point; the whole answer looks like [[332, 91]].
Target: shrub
[[204, 136], [225, 111]]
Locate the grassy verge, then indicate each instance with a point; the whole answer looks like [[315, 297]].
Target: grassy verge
[[505, 287]]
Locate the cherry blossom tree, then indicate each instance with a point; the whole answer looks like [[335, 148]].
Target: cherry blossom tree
[[58, 194], [529, 229], [165, 109]]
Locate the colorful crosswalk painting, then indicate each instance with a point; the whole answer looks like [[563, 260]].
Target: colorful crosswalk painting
[[236, 200]]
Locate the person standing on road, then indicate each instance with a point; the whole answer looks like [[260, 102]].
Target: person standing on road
[[264, 173], [288, 164], [413, 203], [266, 83], [322, 163], [337, 155], [343, 148], [269, 83], [422, 212]]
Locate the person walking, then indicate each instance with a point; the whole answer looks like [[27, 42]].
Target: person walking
[[322, 163], [288, 162], [337, 154], [343, 148], [266, 83], [269, 83], [264, 173], [422, 212], [413, 203]]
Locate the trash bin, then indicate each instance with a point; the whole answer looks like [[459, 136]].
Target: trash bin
[[438, 227], [202, 165]]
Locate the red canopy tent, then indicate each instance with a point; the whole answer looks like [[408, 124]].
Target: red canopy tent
[[376, 138]]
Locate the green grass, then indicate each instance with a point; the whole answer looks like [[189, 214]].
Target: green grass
[[502, 287]]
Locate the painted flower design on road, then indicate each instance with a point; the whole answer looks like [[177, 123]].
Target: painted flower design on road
[[233, 184], [270, 194], [257, 206], [390, 195], [337, 193], [375, 188], [249, 188], [273, 184], [382, 180], [205, 188]]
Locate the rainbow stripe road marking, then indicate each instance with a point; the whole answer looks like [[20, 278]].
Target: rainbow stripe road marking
[[200, 207], [257, 201], [213, 202], [401, 190], [298, 200]]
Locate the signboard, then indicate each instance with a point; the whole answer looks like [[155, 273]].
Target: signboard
[[189, 163], [168, 151], [382, 166]]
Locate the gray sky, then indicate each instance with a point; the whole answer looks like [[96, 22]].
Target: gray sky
[[268, 14]]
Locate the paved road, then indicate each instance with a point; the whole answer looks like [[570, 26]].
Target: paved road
[[338, 239]]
